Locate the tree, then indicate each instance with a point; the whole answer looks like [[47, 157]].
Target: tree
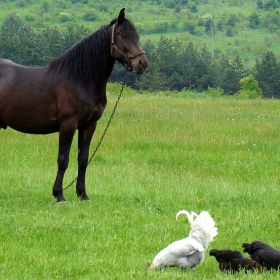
[[187, 66], [229, 31], [164, 59], [54, 40], [145, 82], [266, 73], [203, 66], [209, 24], [234, 74], [272, 20], [74, 34], [194, 8], [18, 40], [249, 83], [178, 9], [271, 4], [227, 74], [260, 4], [254, 20], [249, 88], [232, 20], [219, 70], [13, 23]]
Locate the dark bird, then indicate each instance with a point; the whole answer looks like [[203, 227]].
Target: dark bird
[[234, 261], [263, 254]]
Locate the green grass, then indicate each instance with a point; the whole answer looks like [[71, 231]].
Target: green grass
[[161, 155]]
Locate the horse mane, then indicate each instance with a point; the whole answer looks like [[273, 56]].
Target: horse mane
[[89, 61]]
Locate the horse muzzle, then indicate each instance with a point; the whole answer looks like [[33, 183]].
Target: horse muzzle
[[139, 64]]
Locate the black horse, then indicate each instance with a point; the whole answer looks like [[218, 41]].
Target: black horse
[[69, 93]]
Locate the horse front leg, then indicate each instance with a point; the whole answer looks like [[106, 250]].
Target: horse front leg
[[65, 140], [84, 139]]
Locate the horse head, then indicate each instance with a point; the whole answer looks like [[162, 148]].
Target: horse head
[[125, 46]]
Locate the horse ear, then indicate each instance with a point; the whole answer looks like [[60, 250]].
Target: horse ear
[[121, 16]]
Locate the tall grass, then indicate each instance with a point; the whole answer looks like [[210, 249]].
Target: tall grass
[[161, 154]]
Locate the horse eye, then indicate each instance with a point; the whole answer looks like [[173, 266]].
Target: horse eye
[[124, 36]]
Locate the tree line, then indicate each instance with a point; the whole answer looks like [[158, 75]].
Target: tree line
[[174, 65]]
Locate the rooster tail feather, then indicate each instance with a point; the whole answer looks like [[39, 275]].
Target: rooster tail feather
[[205, 223], [190, 216]]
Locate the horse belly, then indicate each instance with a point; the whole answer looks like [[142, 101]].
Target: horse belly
[[27, 118], [25, 103], [26, 125], [42, 128]]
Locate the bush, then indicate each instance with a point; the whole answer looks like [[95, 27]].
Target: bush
[[20, 3], [260, 4], [178, 9], [90, 15], [62, 4], [113, 89], [189, 26], [213, 92], [46, 6], [64, 17], [250, 89], [247, 94], [254, 20], [193, 8], [161, 27], [29, 18], [229, 31], [271, 4]]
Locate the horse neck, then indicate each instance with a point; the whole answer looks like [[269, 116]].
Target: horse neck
[[89, 62]]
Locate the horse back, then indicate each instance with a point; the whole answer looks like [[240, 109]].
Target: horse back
[[32, 100]]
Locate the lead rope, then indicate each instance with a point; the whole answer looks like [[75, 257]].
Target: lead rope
[[107, 126]]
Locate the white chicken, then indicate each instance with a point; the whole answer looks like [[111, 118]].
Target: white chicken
[[188, 252]]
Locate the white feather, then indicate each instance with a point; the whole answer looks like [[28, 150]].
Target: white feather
[[188, 252]]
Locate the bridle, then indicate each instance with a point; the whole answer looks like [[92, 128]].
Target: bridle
[[114, 46]]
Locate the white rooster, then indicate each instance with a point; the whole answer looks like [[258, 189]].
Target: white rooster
[[188, 252]]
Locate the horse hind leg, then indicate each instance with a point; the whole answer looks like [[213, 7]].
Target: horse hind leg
[[84, 140], [65, 140]]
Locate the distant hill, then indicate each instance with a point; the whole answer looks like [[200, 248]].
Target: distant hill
[[225, 26]]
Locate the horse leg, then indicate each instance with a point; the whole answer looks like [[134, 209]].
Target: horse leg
[[84, 139], [65, 140]]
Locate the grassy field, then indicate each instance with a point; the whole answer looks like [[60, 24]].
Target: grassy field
[[161, 155]]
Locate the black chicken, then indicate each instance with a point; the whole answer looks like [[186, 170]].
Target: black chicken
[[234, 261], [263, 254]]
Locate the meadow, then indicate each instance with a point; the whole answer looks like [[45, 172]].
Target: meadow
[[161, 154]]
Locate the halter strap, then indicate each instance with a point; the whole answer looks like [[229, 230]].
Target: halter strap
[[114, 46]]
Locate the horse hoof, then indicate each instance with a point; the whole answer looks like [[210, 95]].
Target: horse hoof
[[60, 199], [84, 197]]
